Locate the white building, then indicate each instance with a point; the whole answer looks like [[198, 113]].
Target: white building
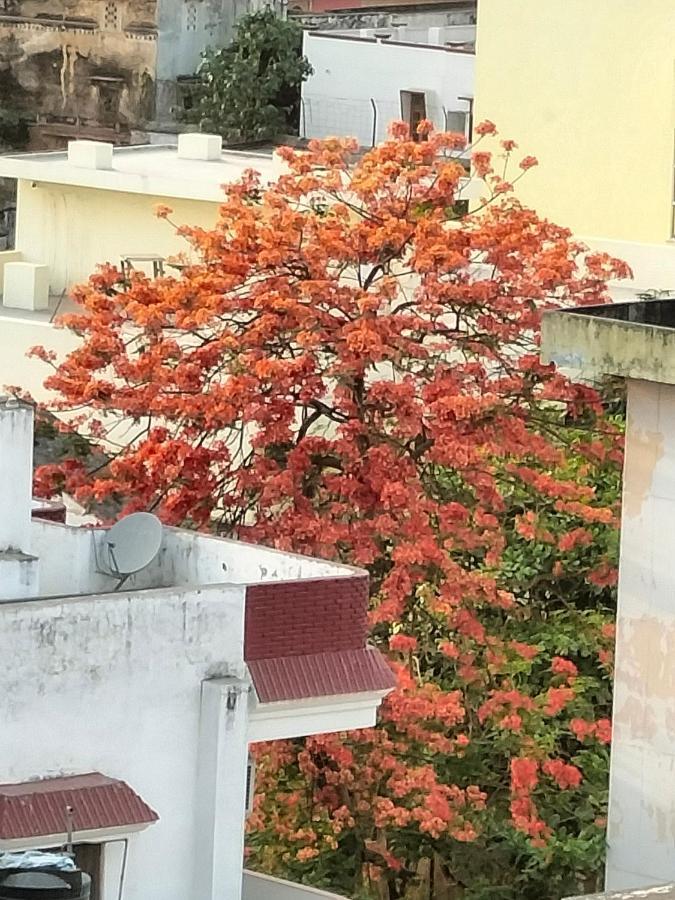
[[95, 204], [636, 341], [133, 703], [361, 84]]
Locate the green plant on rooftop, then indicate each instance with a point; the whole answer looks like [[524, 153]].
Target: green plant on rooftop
[[250, 90], [349, 368]]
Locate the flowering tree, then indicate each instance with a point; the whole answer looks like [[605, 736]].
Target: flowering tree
[[347, 365]]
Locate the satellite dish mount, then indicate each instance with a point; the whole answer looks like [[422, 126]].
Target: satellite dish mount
[[129, 546]]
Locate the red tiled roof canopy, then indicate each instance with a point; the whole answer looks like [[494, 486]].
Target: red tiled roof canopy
[[320, 675], [36, 808], [307, 638]]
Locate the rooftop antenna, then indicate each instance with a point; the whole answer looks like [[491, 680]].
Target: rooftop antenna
[[129, 546]]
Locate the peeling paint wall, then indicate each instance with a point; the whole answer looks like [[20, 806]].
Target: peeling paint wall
[[642, 796], [90, 62], [89, 65]]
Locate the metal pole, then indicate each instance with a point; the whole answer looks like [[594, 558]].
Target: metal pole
[[374, 136]]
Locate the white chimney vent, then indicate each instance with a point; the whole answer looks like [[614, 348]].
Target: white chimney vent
[[90, 154], [200, 146]]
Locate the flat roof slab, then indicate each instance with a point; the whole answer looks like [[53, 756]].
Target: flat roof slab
[[153, 169], [631, 340]]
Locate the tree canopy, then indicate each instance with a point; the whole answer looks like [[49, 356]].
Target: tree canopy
[[347, 366], [250, 90]]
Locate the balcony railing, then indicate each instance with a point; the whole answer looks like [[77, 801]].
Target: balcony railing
[[264, 887]]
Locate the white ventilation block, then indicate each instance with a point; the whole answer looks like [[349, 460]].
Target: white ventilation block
[[90, 154], [200, 146], [26, 286]]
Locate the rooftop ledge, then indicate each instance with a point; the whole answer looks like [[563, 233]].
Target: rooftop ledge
[[632, 340]]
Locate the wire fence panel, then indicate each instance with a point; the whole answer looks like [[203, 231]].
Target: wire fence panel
[[366, 119]]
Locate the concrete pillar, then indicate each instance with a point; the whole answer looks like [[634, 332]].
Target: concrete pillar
[[16, 473], [221, 789], [642, 780], [18, 570]]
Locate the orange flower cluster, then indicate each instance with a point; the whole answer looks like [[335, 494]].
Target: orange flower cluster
[[346, 365]]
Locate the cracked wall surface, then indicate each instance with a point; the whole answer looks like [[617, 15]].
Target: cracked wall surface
[[105, 67], [89, 63]]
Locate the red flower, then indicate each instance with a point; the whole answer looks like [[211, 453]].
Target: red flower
[[562, 666], [557, 699], [523, 774], [404, 643], [486, 127], [566, 775]]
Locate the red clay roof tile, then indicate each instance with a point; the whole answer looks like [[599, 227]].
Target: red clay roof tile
[[320, 675], [36, 808]]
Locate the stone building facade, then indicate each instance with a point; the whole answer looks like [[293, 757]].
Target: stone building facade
[[104, 68]]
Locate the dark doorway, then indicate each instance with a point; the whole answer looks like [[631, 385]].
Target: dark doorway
[[413, 110], [89, 858]]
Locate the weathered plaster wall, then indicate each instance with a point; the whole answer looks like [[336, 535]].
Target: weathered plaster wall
[[642, 805], [112, 683], [68, 561], [462, 21], [92, 60]]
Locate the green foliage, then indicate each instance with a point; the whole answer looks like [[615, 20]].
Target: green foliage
[[251, 89], [554, 563]]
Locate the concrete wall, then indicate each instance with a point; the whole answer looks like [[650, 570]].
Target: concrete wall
[[456, 20], [642, 804], [69, 559], [348, 72], [112, 683], [18, 335], [569, 81], [73, 229], [263, 887]]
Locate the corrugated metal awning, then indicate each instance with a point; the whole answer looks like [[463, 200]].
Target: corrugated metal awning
[[39, 808]]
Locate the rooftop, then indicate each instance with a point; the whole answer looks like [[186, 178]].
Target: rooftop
[[634, 339], [154, 169], [299, 622]]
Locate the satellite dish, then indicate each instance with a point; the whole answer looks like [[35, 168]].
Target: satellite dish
[[131, 544]]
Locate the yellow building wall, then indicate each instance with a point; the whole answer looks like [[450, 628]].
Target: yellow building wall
[[588, 87], [73, 229]]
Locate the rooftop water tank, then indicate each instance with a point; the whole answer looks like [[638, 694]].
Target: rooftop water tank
[[29, 880]]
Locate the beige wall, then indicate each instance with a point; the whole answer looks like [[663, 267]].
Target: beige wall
[[587, 86], [73, 229], [641, 832]]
